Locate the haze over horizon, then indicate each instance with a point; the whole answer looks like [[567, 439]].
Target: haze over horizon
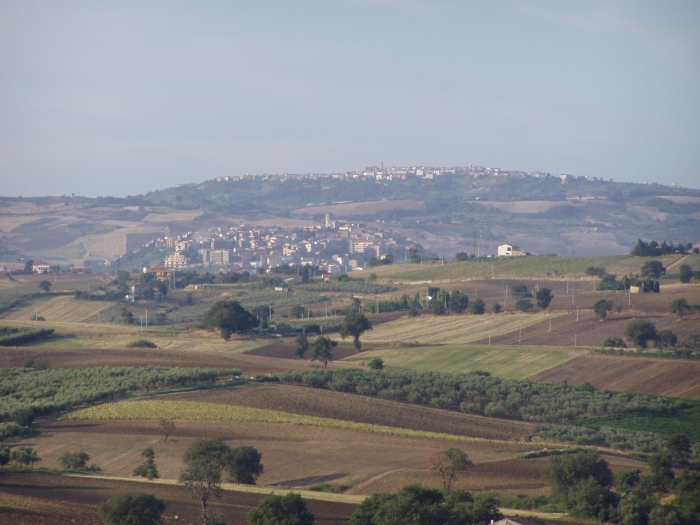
[[129, 97]]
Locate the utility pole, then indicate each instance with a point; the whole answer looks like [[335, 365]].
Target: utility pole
[[550, 323], [270, 313], [489, 338], [577, 313], [574, 340], [520, 335]]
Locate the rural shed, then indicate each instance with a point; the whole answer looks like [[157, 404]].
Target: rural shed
[[513, 521]]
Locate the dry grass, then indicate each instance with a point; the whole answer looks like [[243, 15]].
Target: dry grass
[[59, 309], [458, 329], [361, 208]]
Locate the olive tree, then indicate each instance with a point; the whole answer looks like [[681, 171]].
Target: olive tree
[[680, 307], [203, 462], [289, 509], [148, 469], [355, 324], [601, 308], [229, 317], [544, 297], [244, 465], [449, 464], [322, 349], [640, 332]]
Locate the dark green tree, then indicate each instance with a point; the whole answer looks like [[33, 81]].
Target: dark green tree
[[354, 325], [640, 332], [520, 290], [653, 269], [45, 285], [26, 456], [302, 345], [665, 339], [244, 465], [567, 472], [544, 297], [680, 307], [203, 462], [133, 508], [297, 311], [661, 473], [376, 364], [127, 316], [601, 308], [148, 469], [477, 307], [686, 273], [289, 509], [679, 449], [627, 480], [461, 256], [322, 349], [496, 308], [74, 460], [5, 455], [229, 317], [24, 416], [523, 304], [458, 302]]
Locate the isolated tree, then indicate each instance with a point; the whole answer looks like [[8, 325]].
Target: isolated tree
[[355, 324], [680, 307], [520, 290], [665, 339], [544, 297], [461, 256], [322, 349], [244, 465], [458, 302], [653, 269], [148, 469], [167, 427], [376, 364], [127, 316], [297, 311], [640, 332], [302, 345], [601, 308], [203, 462], [477, 307], [449, 464], [74, 460], [229, 317], [686, 273], [26, 456], [289, 509], [133, 508], [5, 455], [523, 304], [45, 285], [496, 308]]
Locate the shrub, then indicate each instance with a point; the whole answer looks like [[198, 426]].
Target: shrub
[[132, 508], [142, 343]]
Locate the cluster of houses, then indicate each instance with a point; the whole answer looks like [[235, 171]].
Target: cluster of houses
[[381, 173], [333, 248]]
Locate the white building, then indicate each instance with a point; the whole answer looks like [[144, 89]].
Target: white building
[[509, 250], [176, 261]]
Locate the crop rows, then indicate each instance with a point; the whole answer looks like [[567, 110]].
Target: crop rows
[[191, 410]]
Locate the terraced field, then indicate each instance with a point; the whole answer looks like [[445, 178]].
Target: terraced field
[[59, 309], [508, 362], [459, 329]]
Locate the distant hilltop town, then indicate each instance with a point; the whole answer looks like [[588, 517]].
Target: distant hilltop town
[[424, 172]]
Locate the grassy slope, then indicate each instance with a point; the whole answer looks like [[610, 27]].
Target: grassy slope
[[683, 422], [508, 362], [517, 267]]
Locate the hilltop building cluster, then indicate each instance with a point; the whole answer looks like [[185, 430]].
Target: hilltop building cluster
[[380, 173], [336, 247]]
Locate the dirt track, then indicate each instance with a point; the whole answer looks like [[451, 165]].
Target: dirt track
[[667, 377], [57, 500]]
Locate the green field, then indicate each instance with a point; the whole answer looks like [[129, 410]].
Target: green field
[[517, 267], [507, 362], [668, 423]]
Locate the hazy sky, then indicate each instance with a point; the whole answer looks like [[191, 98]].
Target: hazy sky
[[117, 98]]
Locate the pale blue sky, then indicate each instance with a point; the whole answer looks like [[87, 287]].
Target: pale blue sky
[[117, 98]]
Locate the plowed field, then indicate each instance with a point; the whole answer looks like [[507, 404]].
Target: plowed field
[[667, 377], [56, 500]]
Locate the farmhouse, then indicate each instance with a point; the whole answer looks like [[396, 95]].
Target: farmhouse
[[158, 271], [508, 250], [42, 267]]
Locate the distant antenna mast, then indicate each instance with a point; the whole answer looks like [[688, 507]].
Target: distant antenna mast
[[475, 241]]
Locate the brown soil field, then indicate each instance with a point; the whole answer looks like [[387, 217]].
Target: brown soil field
[[523, 476], [86, 357], [294, 455], [286, 350], [589, 330], [361, 409], [666, 377], [44, 499]]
